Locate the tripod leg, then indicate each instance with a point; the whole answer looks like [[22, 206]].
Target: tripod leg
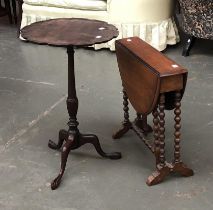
[[63, 135], [93, 139], [64, 155]]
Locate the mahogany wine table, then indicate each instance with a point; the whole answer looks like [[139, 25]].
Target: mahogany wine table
[[69, 33], [152, 83]]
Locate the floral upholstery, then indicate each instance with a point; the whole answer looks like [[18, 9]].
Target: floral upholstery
[[197, 18]]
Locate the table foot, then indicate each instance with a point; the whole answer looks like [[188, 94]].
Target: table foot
[[158, 176], [56, 182], [163, 171], [64, 155], [123, 130], [74, 141], [93, 139], [182, 169], [143, 125], [63, 134]]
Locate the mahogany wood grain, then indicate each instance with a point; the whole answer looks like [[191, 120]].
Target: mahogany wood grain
[[70, 33], [155, 60], [152, 83], [158, 74]]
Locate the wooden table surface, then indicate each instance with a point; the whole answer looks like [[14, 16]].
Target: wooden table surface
[[69, 32]]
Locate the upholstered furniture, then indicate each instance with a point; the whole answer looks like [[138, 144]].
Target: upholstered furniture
[[151, 20], [19, 3], [196, 21], [6, 10]]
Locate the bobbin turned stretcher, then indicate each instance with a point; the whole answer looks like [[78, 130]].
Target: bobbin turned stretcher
[[152, 83]]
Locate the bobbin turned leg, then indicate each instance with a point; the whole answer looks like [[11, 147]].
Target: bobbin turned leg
[[141, 122], [156, 135], [159, 133], [126, 125], [178, 165]]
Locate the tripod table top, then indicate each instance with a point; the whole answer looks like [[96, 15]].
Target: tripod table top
[[69, 32]]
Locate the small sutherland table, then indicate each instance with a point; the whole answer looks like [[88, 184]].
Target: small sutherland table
[[152, 83], [69, 33]]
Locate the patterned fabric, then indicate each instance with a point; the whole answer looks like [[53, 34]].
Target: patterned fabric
[[197, 18]]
